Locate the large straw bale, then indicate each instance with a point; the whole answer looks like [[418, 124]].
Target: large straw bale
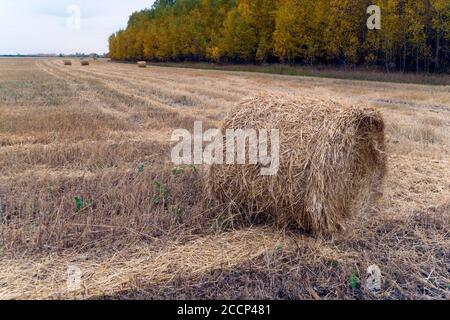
[[332, 162]]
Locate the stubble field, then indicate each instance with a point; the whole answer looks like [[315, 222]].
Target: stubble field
[[86, 181]]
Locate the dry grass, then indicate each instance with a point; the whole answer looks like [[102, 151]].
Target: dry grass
[[140, 229], [344, 72], [196, 257]]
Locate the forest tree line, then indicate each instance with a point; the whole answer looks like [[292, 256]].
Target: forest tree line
[[414, 34]]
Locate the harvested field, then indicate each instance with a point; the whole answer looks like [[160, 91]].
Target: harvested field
[[87, 181]]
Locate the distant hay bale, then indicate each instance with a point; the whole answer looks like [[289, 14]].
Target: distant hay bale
[[142, 64], [67, 62], [332, 163], [84, 62]]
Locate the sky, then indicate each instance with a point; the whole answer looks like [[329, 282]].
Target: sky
[[62, 26]]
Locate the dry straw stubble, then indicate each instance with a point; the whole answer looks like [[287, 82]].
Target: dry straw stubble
[[332, 162]]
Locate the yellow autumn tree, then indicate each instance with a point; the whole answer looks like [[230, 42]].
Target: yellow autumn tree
[[415, 34]]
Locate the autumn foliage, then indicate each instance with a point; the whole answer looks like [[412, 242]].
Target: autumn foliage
[[415, 34]]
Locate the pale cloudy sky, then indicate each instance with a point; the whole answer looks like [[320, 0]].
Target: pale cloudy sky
[[51, 26]]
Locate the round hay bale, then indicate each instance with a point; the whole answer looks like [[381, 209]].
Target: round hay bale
[[67, 62], [84, 62], [142, 64], [332, 163]]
